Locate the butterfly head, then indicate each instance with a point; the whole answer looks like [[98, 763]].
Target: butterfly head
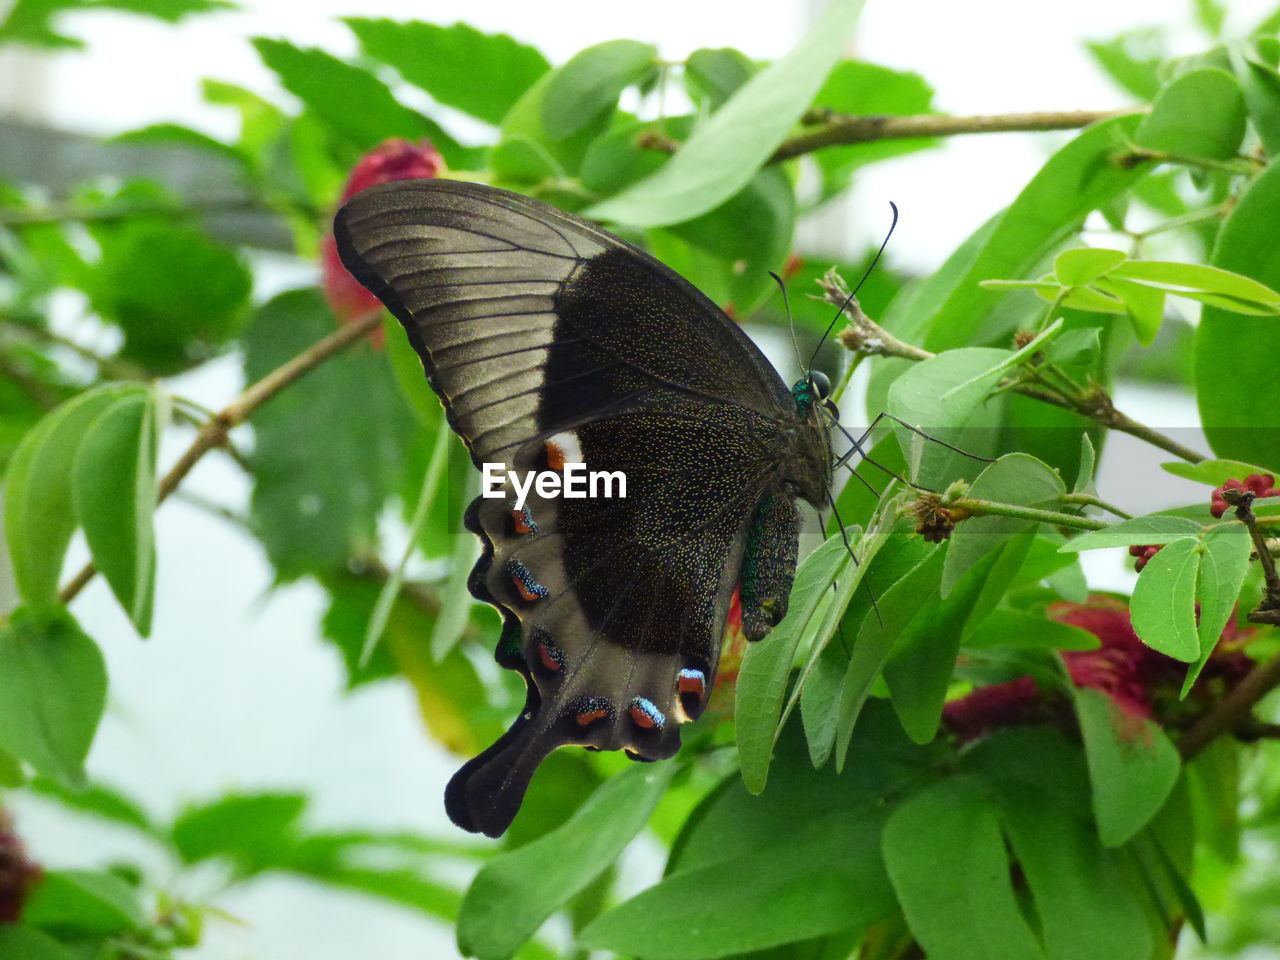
[[813, 389]]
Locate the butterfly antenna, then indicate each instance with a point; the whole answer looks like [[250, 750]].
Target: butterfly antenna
[[791, 321], [849, 299]]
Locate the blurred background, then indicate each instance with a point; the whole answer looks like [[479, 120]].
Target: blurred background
[[233, 691]]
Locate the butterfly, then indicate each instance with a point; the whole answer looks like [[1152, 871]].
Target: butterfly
[[551, 341]]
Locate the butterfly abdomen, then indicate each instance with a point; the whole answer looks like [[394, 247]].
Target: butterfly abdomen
[[768, 564]]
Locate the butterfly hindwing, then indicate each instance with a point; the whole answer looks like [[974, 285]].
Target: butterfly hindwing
[[552, 342]]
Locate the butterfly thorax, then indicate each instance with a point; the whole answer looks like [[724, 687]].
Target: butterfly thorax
[[806, 470]]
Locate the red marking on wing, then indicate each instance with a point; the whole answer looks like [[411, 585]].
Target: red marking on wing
[[641, 717], [588, 717], [555, 456]]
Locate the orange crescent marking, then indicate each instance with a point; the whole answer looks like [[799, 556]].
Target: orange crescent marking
[[555, 456], [641, 718]]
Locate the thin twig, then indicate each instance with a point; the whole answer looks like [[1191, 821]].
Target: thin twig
[[214, 431], [1088, 500], [1232, 712], [835, 129], [831, 129], [865, 336]]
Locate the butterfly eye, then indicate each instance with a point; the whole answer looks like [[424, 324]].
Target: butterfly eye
[[821, 385]]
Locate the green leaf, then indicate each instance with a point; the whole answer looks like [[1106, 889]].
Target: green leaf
[[1017, 628], [1088, 463], [445, 62], [261, 122], [1261, 86], [53, 688], [732, 881], [918, 670], [176, 133], [1223, 567], [23, 943], [1163, 608], [896, 608], [524, 123], [1198, 114], [944, 397], [38, 517], [352, 102], [1132, 766], [96, 800], [731, 908], [762, 679], [1153, 529], [1212, 472], [1085, 264], [1086, 908], [32, 22], [514, 893], [867, 89], [1132, 60], [948, 863], [1014, 478], [178, 295], [712, 76], [254, 831], [725, 152], [113, 483], [329, 450], [1233, 365], [586, 89], [1210, 15], [1078, 179], [455, 596], [391, 588], [83, 903], [1190, 279], [1144, 304]]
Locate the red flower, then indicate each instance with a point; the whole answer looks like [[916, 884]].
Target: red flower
[[1143, 682], [392, 160], [1260, 484], [17, 874]]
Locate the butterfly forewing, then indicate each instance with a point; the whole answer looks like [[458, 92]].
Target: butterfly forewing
[[551, 341]]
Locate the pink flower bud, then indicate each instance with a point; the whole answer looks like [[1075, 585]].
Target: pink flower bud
[[396, 159]]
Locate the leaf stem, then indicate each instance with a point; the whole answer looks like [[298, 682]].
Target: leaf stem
[[1240, 166], [980, 508], [1088, 500], [214, 431]]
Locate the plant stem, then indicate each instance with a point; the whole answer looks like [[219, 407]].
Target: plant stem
[[214, 431], [831, 129], [1186, 220], [1240, 166], [1087, 500], [865, 336], [836, 129], [1230, 713], [979, 508]]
